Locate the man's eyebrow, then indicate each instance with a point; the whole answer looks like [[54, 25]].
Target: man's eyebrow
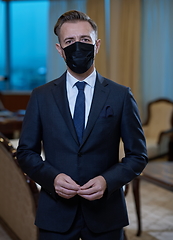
[[68, 38], [83, 36]]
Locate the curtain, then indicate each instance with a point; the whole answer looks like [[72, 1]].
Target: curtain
[[157, 50], [125, 44], [119, 54], [55, 63], [96, 11]]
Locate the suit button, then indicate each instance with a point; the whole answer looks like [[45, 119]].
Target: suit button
[[79, 154]]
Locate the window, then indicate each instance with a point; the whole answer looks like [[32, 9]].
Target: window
[[28, 33], [2, 46]]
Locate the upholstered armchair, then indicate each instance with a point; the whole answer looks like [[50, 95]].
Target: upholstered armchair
[[158, 127], [158, 130], [18, 195]]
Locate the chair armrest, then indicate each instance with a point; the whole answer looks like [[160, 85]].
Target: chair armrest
[[165, 134]]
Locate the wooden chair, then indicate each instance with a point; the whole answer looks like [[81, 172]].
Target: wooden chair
[[158, 127], [18, 196]]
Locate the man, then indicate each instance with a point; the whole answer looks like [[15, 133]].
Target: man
[[81, 178]]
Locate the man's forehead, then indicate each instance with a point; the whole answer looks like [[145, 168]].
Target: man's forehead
[[78, 26]]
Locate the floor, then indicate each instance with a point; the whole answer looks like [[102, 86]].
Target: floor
[[157, 214]]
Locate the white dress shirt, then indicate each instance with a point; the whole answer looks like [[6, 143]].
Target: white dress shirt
[[72, 92]]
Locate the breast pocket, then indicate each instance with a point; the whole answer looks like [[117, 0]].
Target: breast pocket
[[107, 125]]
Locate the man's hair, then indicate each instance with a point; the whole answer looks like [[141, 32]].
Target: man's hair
[[73, 16]]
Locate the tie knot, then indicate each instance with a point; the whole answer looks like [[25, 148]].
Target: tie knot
[[80, 85]]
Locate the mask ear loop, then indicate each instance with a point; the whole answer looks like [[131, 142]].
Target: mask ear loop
[[64, 56], [61, 47], [95, 47]]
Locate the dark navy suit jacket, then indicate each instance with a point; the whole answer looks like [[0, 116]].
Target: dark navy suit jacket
[[48, 122]]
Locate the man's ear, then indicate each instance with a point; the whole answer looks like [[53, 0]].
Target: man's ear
[[98, 43], [60, 50]]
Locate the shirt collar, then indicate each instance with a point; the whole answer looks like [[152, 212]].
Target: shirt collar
[[90, 80]]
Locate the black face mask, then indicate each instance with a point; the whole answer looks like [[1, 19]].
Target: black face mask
[[79, 56]]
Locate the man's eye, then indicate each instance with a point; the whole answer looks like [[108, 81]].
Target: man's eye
[[85, 40], [68, 42]]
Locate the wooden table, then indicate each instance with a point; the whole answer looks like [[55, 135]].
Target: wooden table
[[159, 173], [10, 123]]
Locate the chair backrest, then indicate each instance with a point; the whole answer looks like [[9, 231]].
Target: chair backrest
[[160, 113], [17, 201]]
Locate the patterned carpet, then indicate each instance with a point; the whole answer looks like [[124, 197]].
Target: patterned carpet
[[157, 213]]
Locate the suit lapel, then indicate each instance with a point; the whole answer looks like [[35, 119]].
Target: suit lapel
[[60, 95], [100, 95], [99, 98]]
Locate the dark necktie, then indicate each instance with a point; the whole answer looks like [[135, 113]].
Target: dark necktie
[[79, 110]]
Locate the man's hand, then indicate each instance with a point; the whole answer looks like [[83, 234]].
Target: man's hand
[[65, 187], [93, 189]]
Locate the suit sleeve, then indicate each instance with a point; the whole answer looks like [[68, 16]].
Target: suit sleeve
[[133, 139], [29, 149]]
